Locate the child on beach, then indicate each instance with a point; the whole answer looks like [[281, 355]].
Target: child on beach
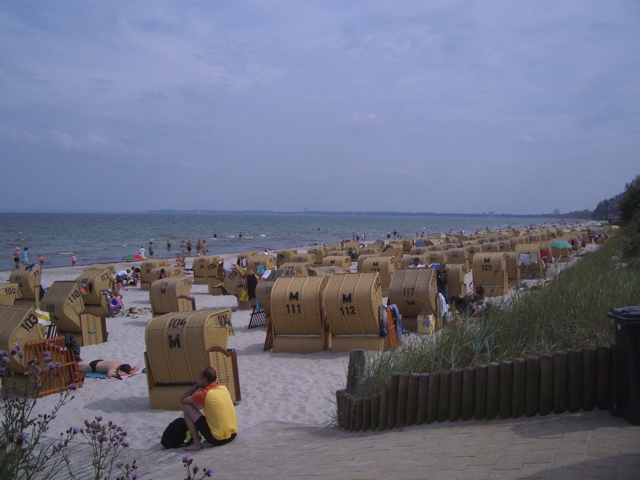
[[73, 260], [41, 259]]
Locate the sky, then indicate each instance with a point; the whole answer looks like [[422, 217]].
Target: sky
[[405, 106]]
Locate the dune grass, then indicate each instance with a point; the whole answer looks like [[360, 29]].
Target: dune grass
[[570, 312]]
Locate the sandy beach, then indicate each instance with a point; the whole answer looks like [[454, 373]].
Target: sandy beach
[[287, 401], [274, 387]]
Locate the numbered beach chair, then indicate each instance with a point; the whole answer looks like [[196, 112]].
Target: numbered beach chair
[[179, 346]]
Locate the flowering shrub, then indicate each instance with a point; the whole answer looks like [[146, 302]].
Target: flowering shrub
[[25, 452]]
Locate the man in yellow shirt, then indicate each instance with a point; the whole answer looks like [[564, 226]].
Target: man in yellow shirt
[[219, 424]]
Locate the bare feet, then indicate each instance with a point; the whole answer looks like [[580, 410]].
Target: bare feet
[[193, 448]]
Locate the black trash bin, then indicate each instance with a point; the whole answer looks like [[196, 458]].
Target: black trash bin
[[627, 362]]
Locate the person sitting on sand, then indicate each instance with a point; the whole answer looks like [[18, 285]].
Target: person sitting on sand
[[112, 368], [219, 424]]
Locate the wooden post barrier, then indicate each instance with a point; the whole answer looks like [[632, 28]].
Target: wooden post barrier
[[589, 378], [412, 399], [480, 398], [603, 364], [560, 382], [444, 402], [574, 401], [519, 387], [423, 398], [434, 397], [572, 380], [455, 408], [493, 390], [546, 384], [532, 388], [468, 392], [506, 389]]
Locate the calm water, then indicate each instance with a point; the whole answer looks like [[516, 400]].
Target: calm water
[[105, 237]]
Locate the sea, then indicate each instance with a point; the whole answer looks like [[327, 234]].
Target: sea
[[109, 237]]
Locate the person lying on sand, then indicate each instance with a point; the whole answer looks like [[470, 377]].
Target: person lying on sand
[[112, 368]]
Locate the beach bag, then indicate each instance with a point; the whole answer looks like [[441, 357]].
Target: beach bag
[[175, 435]]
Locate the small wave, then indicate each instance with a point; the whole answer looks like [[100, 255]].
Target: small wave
[[65, 253], [263, 235]]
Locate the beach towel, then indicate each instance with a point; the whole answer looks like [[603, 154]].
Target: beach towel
[[117, 377]]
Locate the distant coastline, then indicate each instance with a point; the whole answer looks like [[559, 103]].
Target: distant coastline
[[571, 215]]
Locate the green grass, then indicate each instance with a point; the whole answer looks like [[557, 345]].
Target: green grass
[[570, 312]]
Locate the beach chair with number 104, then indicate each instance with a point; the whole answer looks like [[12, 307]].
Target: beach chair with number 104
[[179, 346]]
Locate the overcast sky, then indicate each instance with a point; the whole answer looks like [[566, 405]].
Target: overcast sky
[[441, 106]]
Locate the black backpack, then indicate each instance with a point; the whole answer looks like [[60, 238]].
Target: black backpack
[[175, 435]]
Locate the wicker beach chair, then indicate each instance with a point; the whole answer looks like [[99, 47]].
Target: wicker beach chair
[[352, 303], [65, 304], [171, 295], [28, 278], [179, 346]]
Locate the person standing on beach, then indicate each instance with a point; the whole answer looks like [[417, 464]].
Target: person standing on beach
[[199, 247], [183, 247], [16, 258], [150, 249], [205, 247], [442, 279], [142, 251], [219, 424], [41, 259], [23, 256], [73, 260], [168, 245], [189, 247]]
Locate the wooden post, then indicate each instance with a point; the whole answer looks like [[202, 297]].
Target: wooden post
[[434, 397], [493, 390], [519, 387], [403, 394], [575, 380], [546, 384], [445, 393], [560, 382], [532, 388], [384, 409], [358, 411], [355, 369], [340, 407], [366, 413], [375, 410], [480, 398], [506, 389], [455, 407], [589, 378], [423, 398], [394, 384], [603, 364], [468, 392], [412, 399]]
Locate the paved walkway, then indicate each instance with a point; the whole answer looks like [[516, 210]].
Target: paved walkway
[[580, 445]]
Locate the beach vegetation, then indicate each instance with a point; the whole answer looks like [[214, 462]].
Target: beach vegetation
[[570, 312]]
